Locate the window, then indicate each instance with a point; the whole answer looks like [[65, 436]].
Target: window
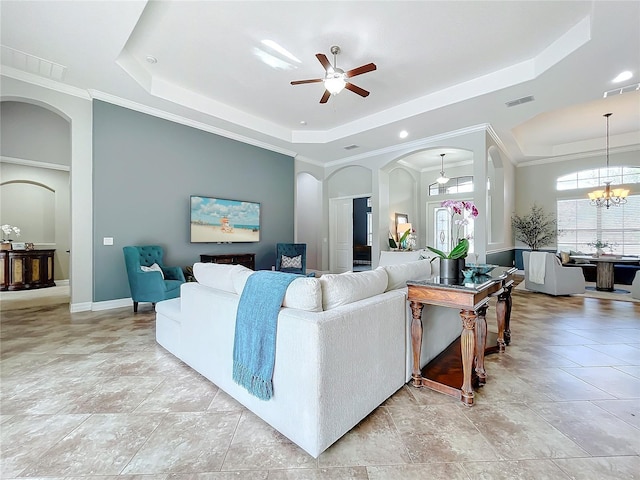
[[580, 223], [597, 177], [455, 185]]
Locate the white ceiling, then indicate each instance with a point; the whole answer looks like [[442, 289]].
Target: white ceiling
[[441, 67]]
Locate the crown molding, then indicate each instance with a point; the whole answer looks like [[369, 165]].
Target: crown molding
[[416, 144], [44, 82], [577, 156], [155, 112], [34, 163]]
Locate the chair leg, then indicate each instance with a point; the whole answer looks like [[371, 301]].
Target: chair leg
[[135, 307]]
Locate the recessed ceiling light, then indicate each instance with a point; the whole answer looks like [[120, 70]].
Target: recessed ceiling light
[[151, 59], [626, 75], [404, 134], [303, 122]]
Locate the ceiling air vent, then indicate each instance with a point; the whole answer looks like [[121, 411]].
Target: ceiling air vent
[[32, 64], [520, 101], [351, 147], [618, 91]]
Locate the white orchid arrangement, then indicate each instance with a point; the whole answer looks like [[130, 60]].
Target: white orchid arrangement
[[8, 230]]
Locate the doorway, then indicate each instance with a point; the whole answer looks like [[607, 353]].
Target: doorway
[[350, 234]]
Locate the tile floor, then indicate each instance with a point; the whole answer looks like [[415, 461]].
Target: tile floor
[[92, 395]]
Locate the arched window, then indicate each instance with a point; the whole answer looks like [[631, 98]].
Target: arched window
[[454, 185], [580, 223]]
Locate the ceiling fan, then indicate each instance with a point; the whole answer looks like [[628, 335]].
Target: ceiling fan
[[335, 78]]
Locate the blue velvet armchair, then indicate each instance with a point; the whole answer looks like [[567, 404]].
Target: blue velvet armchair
[[150, 286], [292, 264]]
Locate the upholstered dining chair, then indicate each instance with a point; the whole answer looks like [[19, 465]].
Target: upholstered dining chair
[[150, 280], [291, 258]]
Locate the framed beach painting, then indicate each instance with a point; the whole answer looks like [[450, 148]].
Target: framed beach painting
[[220, 220]]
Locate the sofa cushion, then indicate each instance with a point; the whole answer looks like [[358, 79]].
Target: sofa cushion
[[216, 275], [344, 288], [400, 273], [304, 293]]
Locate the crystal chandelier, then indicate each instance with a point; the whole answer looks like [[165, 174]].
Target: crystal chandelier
[[608, 196]]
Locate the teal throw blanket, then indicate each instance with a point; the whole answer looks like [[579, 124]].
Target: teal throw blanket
[[254, 345]]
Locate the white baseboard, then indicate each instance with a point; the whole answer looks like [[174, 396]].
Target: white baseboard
[[110, 304], [80, 307]]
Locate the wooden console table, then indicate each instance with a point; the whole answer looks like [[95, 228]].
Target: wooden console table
[[246, 259], [26, 269], [472, 298]]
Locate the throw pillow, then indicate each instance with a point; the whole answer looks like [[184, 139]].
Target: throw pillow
[[304, 293], [291, 262], [564, 256], [344, 288], [578, 260], [215, 275], [153, 268], [400, 273]]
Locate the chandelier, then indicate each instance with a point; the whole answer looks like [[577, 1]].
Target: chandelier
[[442, 179], [609, 196]]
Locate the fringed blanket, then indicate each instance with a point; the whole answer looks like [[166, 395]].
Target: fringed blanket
[[254, 346]]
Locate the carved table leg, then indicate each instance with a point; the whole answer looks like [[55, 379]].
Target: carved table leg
[[467, 347], [481, 343], [507, 314], [416, 342], [501, 313]]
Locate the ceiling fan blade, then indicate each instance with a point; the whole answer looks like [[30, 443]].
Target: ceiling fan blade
[[355, 89], [369, 67], [324, 61], [300, 82], [325, 97]]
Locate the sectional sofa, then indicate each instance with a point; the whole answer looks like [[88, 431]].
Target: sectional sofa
[[342, 347]]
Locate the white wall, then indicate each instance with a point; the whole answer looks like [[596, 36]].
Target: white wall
[[536, 183]]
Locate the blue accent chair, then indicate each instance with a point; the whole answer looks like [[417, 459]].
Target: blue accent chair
[[150, 286], [292, 250]]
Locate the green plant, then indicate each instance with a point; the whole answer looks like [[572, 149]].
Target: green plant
[[536, 228]]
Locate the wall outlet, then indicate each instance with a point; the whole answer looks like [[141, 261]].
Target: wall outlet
[[107, 241]]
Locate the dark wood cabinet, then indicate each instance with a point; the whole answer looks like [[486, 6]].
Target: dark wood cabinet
[[246, 259], [26, 269]]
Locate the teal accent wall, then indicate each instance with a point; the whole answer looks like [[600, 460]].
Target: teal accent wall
[[504, 259], [144, 171]]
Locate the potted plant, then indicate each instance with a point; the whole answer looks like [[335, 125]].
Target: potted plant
[[536, 228], [7, 232]]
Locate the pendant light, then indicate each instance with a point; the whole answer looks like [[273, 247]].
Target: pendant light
[[608, 197], [442, 179]]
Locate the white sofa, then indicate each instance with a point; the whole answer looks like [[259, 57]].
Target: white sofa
[[558, 280], [341, 348]]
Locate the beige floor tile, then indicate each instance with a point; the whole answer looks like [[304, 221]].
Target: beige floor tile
[[521, 469], [601, 468], [431, 471], [608, 379], [102, 445], [595, 430], [185, 443]]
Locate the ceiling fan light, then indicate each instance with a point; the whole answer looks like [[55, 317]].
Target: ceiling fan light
[[334, 84]]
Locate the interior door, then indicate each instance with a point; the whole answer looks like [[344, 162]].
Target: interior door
[[341, 235]]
